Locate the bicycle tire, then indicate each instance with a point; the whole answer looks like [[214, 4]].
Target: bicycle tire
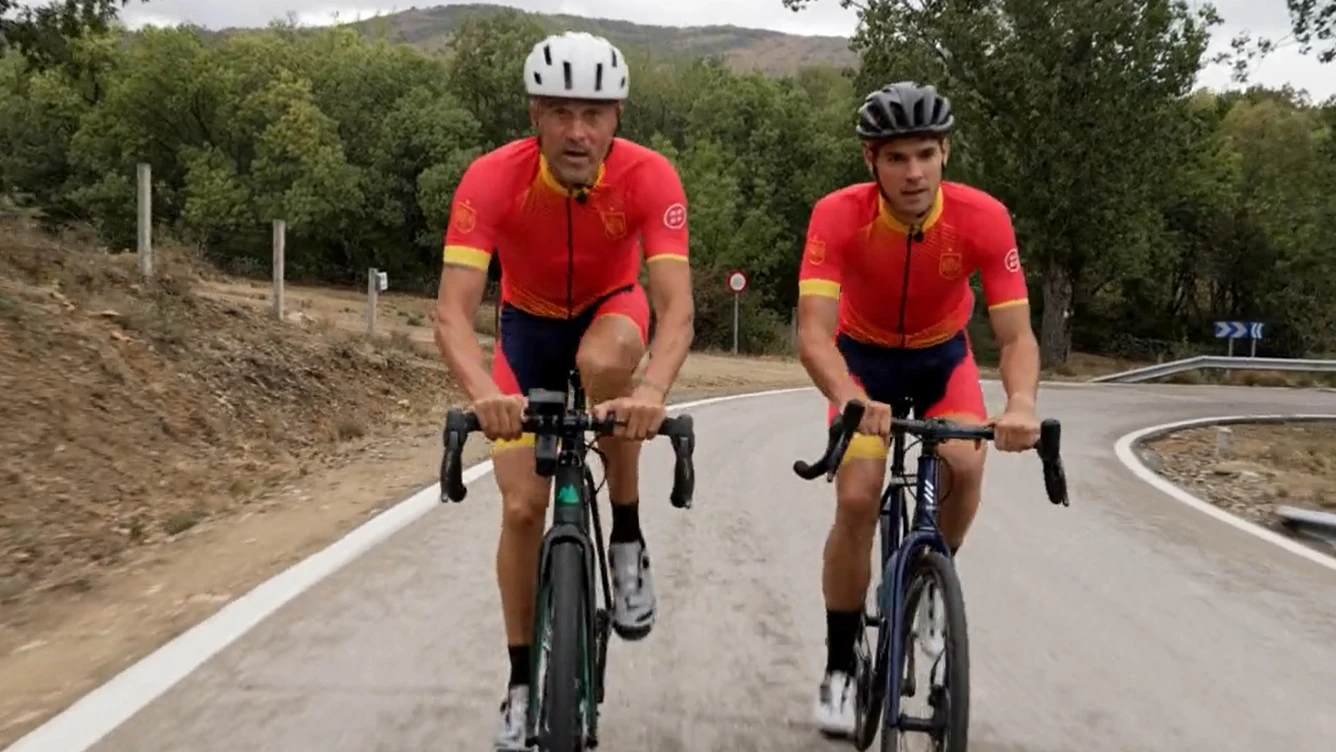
[[871, 685], [931, 564], [563, 694]]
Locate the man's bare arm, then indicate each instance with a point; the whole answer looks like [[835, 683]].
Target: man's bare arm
[[817, 317], [675, 314], [457, 301], [1019, 353]]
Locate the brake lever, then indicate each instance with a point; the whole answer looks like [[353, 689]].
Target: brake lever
[[1049, 448]]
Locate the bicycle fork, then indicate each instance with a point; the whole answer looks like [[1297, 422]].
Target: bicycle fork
[[574, 499], [893, 595]]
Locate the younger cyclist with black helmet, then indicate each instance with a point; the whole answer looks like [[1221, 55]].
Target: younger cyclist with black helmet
[[884, 297]]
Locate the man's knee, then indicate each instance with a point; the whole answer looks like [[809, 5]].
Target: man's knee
[[858, 494], [610, 351], [962, 467], [523, 492]]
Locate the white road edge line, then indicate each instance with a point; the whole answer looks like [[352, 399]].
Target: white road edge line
[[1128, 456], [98, 713]]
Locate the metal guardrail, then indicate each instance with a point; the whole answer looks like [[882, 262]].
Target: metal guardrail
[[1319, 525], [1160, 370]]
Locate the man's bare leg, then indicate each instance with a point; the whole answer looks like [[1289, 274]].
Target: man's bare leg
[[524, 496], [609, 354], [960, 478], [845, 575]]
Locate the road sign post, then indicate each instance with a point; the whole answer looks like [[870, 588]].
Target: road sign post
[[1232, 330], [737, 282]]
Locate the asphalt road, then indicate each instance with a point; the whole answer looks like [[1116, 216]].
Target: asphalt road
[[1127, 622]]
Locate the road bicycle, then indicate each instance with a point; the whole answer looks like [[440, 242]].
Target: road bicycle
[[914, 556], [568, 685]]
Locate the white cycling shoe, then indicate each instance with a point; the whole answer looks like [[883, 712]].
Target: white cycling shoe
[[836, 709]]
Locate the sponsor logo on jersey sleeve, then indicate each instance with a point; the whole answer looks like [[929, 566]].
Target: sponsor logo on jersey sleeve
[[463, 217], [675, 217], [1012, 261], [815, 251]]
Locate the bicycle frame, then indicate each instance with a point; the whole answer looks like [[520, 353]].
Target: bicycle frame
[[897, 551], [574, 510], [560, 421], [902, 538]]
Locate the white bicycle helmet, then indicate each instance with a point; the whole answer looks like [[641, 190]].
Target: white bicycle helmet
[[576, 65]]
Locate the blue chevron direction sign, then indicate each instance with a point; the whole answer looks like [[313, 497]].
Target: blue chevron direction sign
[[1239, 329]]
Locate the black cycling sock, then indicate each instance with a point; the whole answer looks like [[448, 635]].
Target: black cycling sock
[[626, 523], [841, 634], [519, 664]]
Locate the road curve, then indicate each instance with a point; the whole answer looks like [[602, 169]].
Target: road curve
[[1127, 622]]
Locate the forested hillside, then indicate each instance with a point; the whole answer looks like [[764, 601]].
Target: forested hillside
[[1145, 210], [432, 29]]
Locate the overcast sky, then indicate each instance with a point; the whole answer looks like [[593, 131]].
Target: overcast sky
[[1264, 17]]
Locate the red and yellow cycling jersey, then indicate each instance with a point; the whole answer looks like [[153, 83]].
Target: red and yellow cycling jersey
[[906, 289], [561, 253]]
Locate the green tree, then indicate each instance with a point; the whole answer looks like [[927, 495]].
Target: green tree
[[487, 72], [44, 33], [1314, 21]]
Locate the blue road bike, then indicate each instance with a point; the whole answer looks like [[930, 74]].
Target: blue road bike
[[914, 558]]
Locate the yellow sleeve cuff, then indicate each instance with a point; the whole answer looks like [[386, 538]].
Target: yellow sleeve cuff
[[466, 256], [820, 287]]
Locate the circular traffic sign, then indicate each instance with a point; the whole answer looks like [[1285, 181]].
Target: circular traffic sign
[[737, 281]]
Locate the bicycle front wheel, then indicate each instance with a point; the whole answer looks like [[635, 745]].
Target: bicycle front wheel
[[563, 694], [945, 649]]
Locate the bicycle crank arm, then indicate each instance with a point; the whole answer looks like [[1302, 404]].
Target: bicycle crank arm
[[920, 725]]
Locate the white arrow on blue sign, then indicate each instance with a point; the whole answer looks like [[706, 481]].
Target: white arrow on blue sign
[[1239, 329]]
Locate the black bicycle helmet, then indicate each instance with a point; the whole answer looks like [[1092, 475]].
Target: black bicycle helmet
[[905, 109]]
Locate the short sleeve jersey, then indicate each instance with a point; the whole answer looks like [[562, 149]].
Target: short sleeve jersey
[[559, 255], [903, 289]]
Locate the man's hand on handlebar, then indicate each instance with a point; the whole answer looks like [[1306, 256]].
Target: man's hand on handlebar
[[1017, 428], [639, 416], [500, 416], [876, 419]]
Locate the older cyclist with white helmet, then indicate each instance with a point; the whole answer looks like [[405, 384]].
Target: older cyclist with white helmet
[[568, 212]]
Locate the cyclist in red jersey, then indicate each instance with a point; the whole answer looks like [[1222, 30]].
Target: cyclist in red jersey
[[884, 298], [567, 213]]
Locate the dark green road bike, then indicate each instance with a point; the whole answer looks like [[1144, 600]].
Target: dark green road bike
[[568, 676]]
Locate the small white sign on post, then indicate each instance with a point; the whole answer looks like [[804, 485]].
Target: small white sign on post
[[382, 281], [373, 288], [737, 282]]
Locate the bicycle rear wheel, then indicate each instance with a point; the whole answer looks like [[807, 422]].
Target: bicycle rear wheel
[[567, 662], [949, 700]]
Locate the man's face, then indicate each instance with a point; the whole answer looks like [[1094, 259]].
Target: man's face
[[575, 135], [909, 171]]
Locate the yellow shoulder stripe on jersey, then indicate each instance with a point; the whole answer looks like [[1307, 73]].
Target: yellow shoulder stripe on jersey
[[820, 287], [466, 256]]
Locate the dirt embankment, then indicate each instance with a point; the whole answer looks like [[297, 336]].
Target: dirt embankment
[[133, 411]]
